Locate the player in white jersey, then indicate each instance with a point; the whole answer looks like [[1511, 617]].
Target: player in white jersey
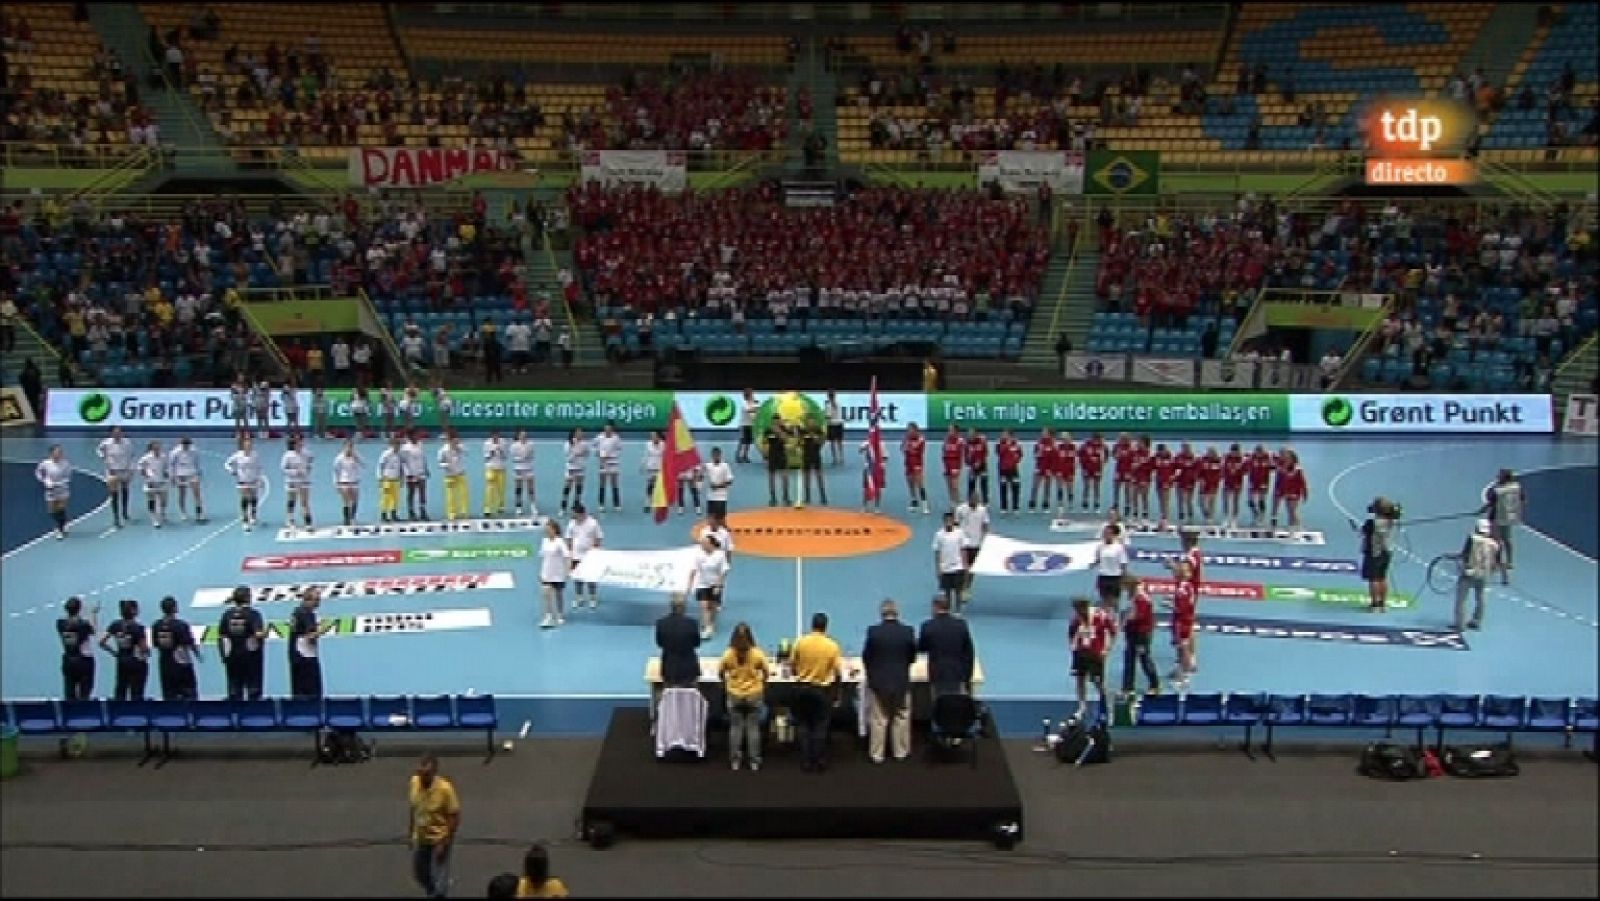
[[453, 463], [577, 451], [521, 453], [261, 400], [153, 470], [583, 535], [651, 466], [494, 476], [347, 468], [391, 472], [239, 406], [184, 462], [410, 409], [608, 447], [747, 425], [55, 474], [414, 465], [245, 467], [444, 404], [361, 411], [296, 465], [117, 454]]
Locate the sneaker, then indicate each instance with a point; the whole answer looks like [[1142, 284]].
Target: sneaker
[[734, 766], [547, 623], [157, 524], [1475, 626], [924, 509], [755, 766], [61, 534]]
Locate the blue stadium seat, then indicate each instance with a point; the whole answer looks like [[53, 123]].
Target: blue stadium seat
[[260, 715], [1202, 710], [1330, 710], [432, 712], [135, 716], [1284, 710], [1373, 711], [1458, 712], [388, 713], [36, 717], [1160, 710], [213, 716], [1247, 710], [83, 716]]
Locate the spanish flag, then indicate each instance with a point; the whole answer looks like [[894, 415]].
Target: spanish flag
[[679, 457]]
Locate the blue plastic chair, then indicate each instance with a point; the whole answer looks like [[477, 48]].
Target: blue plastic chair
[[36, 717], [1585, 717], [167, 718], [345, 714], [1372, 711], [1284, 710], [1330, 710], [1245, 710], [83, 716], [1458, 712], [260, 715], [388, 714], [301, 714], [478, 712], [432, 713], [1509, 714], [213, 716], [1201, 710], [1416, 712], [135, 716], [1160, 710], [1550, 715]]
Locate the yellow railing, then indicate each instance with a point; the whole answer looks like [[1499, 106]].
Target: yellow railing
[[1358, 349], [1066, 279], [78, 372], [267, 341], [572, 321], [396, 360], [1575, 355]]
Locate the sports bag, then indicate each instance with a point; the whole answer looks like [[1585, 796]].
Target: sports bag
[[1385, 760], [1482, 762], [1080, 744]]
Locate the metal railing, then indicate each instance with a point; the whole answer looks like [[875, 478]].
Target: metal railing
[[79, 374], [1575, 355], [1066, 280], [396, 359], [572, 320], [1357, 351]]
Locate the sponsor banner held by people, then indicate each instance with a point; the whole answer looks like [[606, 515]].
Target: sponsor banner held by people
[[347, 589], [1002, 556], [667, 170], [410, 623], [1022, 171], [659, 570], [419, 167]]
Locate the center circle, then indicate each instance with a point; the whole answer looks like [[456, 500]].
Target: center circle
[[812, 532]]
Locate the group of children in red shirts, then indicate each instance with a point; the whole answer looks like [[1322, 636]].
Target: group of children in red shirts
[[1194, 480]]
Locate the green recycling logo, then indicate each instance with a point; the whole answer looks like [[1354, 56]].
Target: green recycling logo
[[721, 410], [1337, 412], [94, 408]]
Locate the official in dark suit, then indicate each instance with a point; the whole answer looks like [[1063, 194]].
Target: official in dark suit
[[890, 650], [678, 637], [948, 643]]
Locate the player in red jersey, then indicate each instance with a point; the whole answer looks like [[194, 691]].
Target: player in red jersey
[[1139, 460], [1090, 634], [1066, 472], [1259, 469], [1044, 469], [1165, 467], [1185, 462], [1209, 470], [977, 456], [913, 446], [1283, 462], [1138, 630], [1008, 454], [1122, 473], [1290, 487], [1184, 615], [951, 453], [1092, 460], [1233, 469]]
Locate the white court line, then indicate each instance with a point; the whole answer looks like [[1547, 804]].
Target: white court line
[[1489, 589], [1551, 538], [47, 535]]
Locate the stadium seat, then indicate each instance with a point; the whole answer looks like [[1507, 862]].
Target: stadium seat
[[260, 715], [135, 716], [1374, 711], [1549, 715], [1202, 710], [387, 714], [1416, 712], [1284, 710], [301, 713], [214, 716], [1330, 710], [1458, 712], [1161, 710], [1507, 714], [1245, 710], [478, 712], [83, 716], [36, 717], [432, 712], [346, 714]]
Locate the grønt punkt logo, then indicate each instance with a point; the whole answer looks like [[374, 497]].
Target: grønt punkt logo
[[94, 408], [721, 410], [1337, 412]]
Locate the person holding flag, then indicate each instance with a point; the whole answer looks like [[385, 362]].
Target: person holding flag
[[678, 458], [873, 479]]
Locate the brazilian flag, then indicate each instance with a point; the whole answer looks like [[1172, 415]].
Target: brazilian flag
[[1120, 173]]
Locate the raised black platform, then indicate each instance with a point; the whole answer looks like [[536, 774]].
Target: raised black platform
[[633, 793]]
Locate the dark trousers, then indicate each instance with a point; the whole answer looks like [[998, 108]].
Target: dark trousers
[[132, 674], [178, 682], [813, 716], [431, 870], [244, 675], [978, 483], [1136, 650], [305, 676], [77, 678]]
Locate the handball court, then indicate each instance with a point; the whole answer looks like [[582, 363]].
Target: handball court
[[1283, 618]]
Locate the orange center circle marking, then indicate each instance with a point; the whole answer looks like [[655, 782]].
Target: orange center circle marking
[[812, 532]]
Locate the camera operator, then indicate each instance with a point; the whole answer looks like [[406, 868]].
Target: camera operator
[[1376, 534]]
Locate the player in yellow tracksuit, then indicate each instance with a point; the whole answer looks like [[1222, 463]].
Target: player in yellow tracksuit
[[390, 472], [454, 463], [494, 476]]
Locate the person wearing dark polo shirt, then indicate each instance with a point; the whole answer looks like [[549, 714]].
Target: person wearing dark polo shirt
[[948, 643], [176, 653], [75, 632], [777, 466], [128, 643], [305, 632], [811, 442], [817, 663], [241, 640]]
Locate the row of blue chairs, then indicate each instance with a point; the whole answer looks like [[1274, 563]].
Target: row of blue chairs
[[1499, 713], [440, 713]]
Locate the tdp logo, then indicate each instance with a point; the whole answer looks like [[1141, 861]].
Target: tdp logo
[[1418, 128], [1411, 128]]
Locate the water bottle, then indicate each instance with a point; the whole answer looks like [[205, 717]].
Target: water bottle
[[1045, 734]]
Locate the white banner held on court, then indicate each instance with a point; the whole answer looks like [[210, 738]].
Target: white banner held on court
[[1002, 556], [663, 570]]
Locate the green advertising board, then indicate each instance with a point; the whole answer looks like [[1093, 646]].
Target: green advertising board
[[532, 410], [1338, 597], [1320, 316], [1123, 173], [1109, 412], [461, 554], [307, 317]]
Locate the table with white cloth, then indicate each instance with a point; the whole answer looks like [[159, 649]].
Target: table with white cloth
[[850, 701]]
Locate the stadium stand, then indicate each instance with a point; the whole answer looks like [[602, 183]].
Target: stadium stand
[[1554, 93], [67, 98]]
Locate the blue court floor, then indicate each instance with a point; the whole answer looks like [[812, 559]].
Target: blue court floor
[[1308, 635]]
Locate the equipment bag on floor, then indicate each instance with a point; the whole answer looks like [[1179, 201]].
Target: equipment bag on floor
[[342, 746], [1385, 760], [1081, 744], [1483, 762]]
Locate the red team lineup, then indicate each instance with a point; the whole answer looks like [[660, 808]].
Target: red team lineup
[[1191, 487]]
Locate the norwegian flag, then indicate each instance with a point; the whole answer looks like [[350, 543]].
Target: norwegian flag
[[875, 479]]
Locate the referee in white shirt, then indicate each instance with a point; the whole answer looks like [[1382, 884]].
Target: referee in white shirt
[[719, 478], [1110, 564], [949, 563]]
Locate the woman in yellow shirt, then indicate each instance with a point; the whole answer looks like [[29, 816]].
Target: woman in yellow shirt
[[536, 881], [744, 673]]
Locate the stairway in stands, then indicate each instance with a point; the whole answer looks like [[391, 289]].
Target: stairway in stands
[[1076, 307]]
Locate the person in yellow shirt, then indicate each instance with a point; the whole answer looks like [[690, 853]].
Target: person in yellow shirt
[[817, 666], [435, 817], [744, 674], [536, 881]]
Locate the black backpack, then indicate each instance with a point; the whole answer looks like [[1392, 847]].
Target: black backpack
[[1383, 760], [1484, 762], [342, 746], [1081, 744]]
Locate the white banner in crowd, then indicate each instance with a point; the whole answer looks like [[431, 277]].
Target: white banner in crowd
[[668, 570], [1002, 556], [1157, 371], [1021, 171], [1097, 367], [1239, 374], [418, 167], [1583, 415], [664, 169]]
